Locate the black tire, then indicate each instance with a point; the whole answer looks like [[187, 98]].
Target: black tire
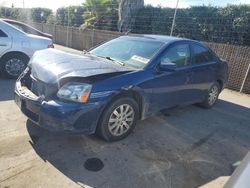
[[20, 59], [207, 103], [103, 128]]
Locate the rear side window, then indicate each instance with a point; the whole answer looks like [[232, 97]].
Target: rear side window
[[201, 54], [18, 27], [2, 34]]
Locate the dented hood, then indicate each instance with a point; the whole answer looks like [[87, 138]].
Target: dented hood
[[51, 65]]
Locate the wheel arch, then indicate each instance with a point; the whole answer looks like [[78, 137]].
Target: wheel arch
[[16, 53], [220, 82], [139, 99], [123, 93]]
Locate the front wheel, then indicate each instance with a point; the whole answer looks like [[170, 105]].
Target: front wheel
[[13, 65], [212, 96], [118, 119]]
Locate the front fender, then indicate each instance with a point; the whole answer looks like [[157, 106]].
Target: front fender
[[136, 93]]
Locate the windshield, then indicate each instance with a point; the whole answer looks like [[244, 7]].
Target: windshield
[[131, 51]]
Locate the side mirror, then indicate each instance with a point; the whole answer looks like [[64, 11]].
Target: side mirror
[[168, 66]]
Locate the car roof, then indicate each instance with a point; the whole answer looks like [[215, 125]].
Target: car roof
[[9, 20], [38, 32], [19, 23], [10, 28], [159, 38], [12, 21]]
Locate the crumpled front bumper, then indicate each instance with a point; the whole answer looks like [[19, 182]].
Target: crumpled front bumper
[[58, 116]]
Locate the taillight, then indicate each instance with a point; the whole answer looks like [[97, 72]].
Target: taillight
[[51, 46]]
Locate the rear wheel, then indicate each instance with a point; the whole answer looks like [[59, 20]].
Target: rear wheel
[[13, 65], [212, 96], [118, 120]]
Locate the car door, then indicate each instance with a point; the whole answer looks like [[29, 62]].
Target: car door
[[171, 88], [204, 70], [5, 42]]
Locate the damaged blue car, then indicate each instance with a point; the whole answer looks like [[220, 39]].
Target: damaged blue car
[[108, 88]]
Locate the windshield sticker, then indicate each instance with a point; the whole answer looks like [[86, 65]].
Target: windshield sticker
[[140, 59]]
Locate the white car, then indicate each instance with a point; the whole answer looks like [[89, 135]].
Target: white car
[[17, 47]]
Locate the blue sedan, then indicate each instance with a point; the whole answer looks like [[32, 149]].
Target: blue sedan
[[107, 89]]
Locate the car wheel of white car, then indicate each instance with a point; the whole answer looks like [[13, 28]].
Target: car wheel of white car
[[118, 119], [13, 65]]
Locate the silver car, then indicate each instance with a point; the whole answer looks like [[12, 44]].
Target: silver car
[[17, 47]]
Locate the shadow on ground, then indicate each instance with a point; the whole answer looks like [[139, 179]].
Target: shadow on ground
[[7, 89], [184, 147]]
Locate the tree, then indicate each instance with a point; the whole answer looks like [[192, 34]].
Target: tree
[[127, 13], [76, 18], [155, 20], [96, 10], [110, 20], [75, 15], [51, 19], [40, 15], [15, 13], [229, 24], [61, 16]]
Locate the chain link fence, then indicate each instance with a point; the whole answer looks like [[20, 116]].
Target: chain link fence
[[237, 56], [225, 29]]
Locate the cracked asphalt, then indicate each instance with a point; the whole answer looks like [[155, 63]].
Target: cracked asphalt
[[183, 147]]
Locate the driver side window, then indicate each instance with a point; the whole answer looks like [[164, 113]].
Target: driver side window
[[178, 54]]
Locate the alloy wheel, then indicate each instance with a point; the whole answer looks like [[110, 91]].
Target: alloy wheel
[[121, 119], [213, 95], [14, 67]]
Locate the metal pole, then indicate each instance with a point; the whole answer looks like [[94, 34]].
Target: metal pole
[[67, 42], [23, 3], [245, 78], [173, 23]]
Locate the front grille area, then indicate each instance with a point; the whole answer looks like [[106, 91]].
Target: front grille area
[[38, 87]]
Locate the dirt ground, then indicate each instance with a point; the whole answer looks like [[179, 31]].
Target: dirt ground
[[184, 147]]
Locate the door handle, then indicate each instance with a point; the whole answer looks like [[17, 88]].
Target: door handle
[[3, 44]]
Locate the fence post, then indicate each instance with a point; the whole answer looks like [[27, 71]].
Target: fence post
[[245, 78], [83, 41], [92, 38], [54, 33], [67, 39], [71, 37]]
